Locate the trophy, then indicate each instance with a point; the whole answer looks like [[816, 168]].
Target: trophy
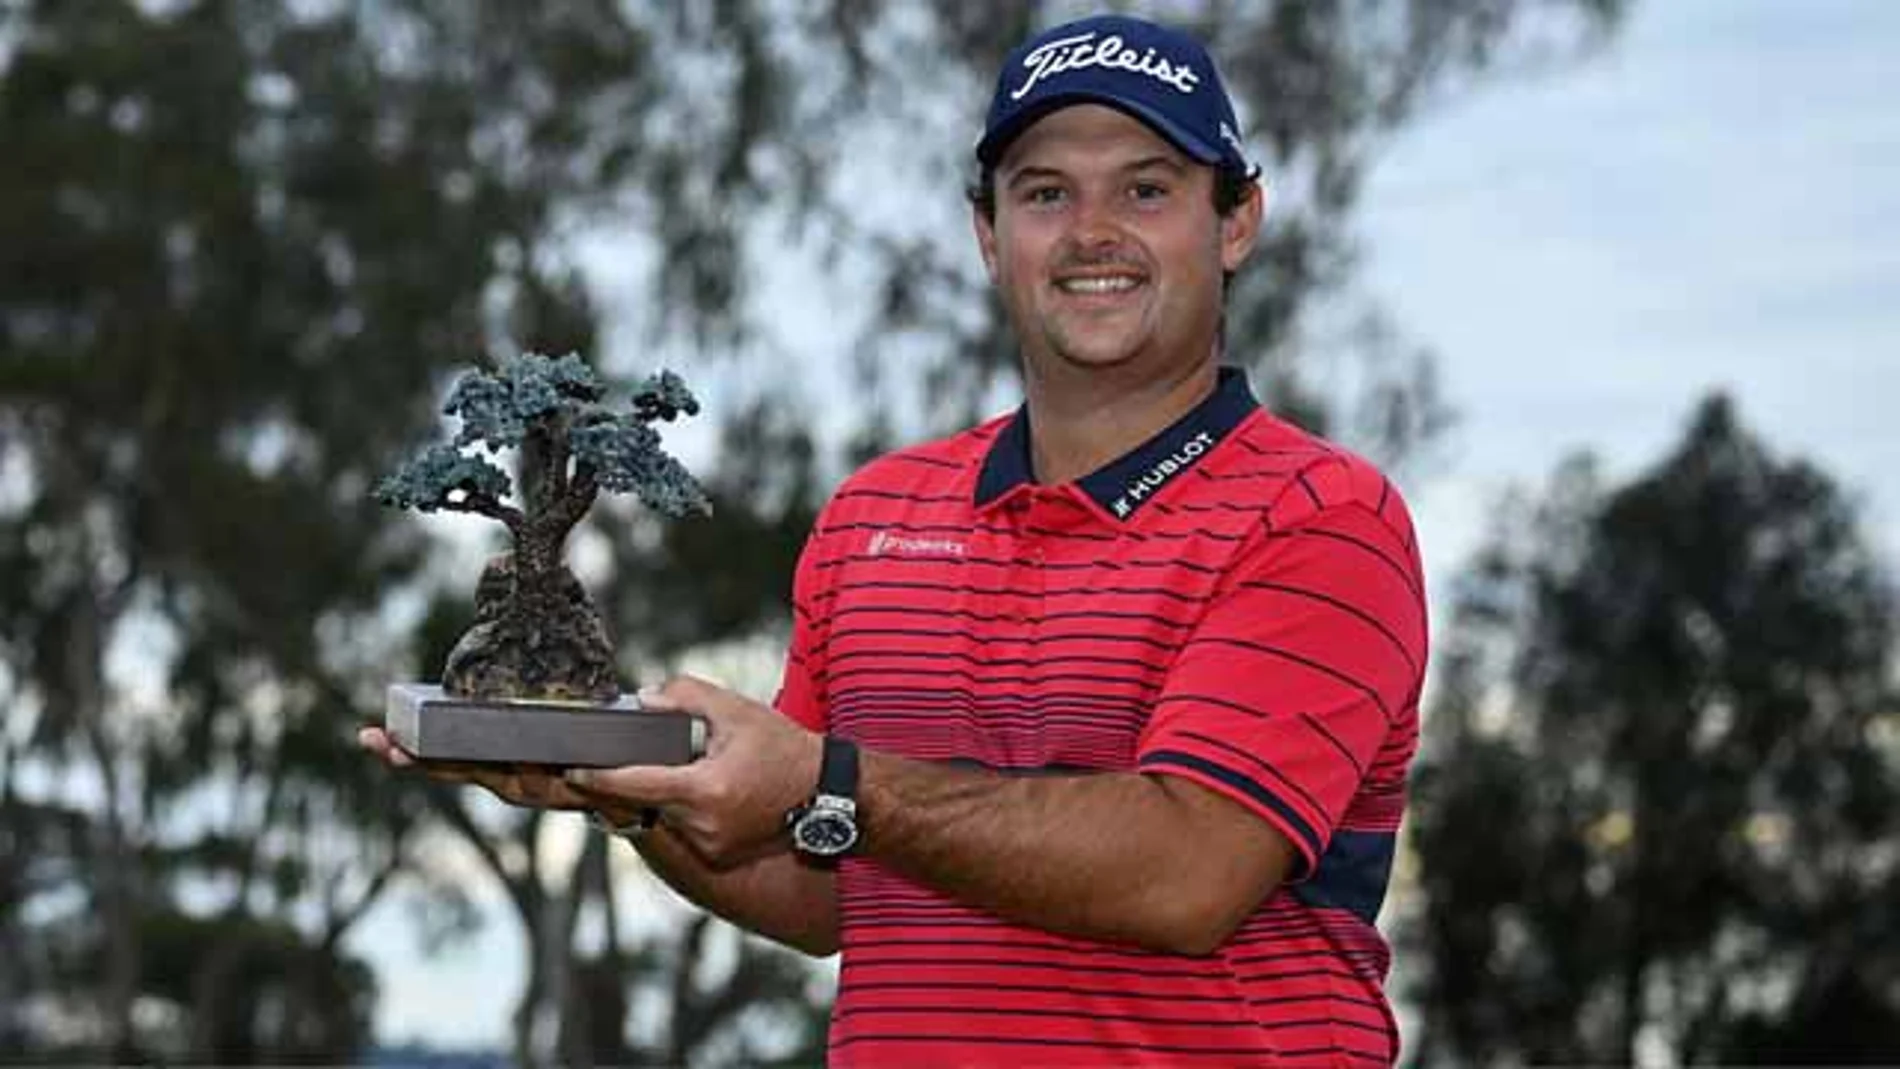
[[532, 680]]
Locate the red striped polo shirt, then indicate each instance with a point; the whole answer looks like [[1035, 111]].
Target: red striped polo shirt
[[1236, 602]]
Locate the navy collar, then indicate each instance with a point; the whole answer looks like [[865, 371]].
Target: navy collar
[[1122, 486]]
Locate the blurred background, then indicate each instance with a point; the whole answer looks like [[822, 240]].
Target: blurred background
[[1612, 287]]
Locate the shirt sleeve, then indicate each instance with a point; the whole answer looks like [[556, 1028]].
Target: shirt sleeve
[[1311, 651], [801, 693]]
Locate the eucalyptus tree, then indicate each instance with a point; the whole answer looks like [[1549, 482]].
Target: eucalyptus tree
[[1658, 797]]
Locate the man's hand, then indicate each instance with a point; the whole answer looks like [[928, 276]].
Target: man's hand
[[776, 897], [730, 805], [533, 786]]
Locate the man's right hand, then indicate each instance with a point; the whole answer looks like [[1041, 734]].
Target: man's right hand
[[533, 786], [776, 896]]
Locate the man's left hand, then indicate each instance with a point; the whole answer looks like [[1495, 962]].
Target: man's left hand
[[730, 805]]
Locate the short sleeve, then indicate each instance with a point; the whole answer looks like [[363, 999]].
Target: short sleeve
[[801, 693], [1309, 655]]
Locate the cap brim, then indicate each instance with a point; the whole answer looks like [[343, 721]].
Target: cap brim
[[989, 151]]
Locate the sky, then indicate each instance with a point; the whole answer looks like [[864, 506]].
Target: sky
[[1713, 202]]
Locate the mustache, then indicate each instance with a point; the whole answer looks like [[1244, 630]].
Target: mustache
[[1110, 256]]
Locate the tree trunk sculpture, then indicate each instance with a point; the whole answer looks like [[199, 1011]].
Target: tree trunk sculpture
[[537, 634]]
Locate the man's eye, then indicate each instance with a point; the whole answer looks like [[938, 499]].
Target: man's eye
[[1149, 191], [1043, 195]]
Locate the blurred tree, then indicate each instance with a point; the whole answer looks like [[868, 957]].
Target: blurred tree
[[226, 227], [722, 999], [795, 140], [258, 991], [242, 247], [1656, 811]]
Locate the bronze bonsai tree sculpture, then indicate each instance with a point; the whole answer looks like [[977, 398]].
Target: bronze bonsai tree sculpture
[[537, 634]]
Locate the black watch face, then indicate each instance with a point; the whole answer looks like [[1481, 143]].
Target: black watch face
[[826, 834]]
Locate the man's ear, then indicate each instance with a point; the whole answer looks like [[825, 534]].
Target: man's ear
[[1240, 229], [985, 239]]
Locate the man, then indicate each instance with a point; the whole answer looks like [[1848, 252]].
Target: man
[[1093, 735]]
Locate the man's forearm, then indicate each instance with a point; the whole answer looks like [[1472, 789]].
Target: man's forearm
[[1160, 863], [775, 896]]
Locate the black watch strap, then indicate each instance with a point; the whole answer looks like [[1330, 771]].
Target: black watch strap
[[838, 768]]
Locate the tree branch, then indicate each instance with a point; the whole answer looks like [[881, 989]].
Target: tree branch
[[447, 802], [342, 920], [483, 505], [252, 838]]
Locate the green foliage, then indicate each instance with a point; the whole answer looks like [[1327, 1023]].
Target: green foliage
[[557, 401], [250, 241], [1681, 690], [626, 458], [281, 999], [428, 481], [664, 396], [498, 408]]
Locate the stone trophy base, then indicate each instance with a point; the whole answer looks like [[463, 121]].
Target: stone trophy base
[[437, 727]]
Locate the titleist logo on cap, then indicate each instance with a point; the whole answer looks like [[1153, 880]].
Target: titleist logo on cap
[[1080, 51]]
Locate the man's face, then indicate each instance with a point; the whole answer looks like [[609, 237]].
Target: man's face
[[1106, 246]]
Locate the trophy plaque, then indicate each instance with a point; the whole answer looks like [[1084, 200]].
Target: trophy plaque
[[533, 680], [439, 727]]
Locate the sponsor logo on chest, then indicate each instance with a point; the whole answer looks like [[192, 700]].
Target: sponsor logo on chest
[[884, 543]]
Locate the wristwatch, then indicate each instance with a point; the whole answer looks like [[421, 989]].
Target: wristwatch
[[632, 830], [827, 825]]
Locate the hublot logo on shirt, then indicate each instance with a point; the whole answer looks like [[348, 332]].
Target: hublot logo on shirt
[[1164, 470]]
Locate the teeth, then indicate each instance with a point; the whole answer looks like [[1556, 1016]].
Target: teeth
[[1115, 284]]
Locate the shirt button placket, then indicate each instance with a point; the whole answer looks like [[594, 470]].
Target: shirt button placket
[[1020, 598], [1035, 578]]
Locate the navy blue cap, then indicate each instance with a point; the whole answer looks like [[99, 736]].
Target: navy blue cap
[[1161, 76]]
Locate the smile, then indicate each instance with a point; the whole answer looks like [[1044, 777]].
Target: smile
[[1109, 284]]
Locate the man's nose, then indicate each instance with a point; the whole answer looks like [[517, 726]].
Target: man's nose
[[1097, 224]]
